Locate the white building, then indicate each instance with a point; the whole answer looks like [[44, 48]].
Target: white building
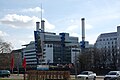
[[107, 40], [110, 43]]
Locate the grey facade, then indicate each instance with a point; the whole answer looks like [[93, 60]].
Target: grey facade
[[109, 43], [57, 49]]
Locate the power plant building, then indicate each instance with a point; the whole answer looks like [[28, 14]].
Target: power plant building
[[51, 48]]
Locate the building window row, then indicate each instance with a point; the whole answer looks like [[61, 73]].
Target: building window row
[[110, 46], [30, 51], [49, 45], [108, 43], [107, 39]]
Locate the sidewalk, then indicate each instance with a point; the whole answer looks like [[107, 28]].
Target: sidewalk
[[14, 76]]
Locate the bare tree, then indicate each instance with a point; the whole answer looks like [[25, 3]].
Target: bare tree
[[5, 60], [114, 58], [5, 47], [109, 58], [99, 59], [85, 59]]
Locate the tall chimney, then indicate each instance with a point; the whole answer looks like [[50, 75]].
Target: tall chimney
[[83, 29], [42, 26], [37, 26]]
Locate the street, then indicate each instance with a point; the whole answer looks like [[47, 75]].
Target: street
[[100, 78], [97, 78], [20, 76]]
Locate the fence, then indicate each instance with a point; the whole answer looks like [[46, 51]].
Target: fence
[[48, 75]]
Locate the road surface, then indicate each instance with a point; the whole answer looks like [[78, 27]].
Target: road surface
[[20, 76]]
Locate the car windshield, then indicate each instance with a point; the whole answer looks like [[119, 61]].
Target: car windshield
[[112, 73], [84, 73]]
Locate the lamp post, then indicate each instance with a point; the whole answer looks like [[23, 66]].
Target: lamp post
[[48, 62], [75, 50], [75, 64], [59, 59], [18, 57]]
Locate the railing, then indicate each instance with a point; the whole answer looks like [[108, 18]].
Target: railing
[[48, 75]]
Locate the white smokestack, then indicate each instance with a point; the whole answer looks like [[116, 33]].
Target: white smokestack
[[83, 29], [37, 26]]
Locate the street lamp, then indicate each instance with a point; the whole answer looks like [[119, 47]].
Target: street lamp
[[75, 64], [59, 59], [75, 50], [48, 62]]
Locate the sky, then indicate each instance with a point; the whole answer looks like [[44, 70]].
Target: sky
[[18, 18]]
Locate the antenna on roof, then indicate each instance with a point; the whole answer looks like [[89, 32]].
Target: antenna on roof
[[42, 21], [41, 11]]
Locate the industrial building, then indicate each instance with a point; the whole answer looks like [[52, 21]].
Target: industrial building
[[51, 48]]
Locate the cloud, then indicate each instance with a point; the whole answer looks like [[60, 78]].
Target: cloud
[[91, 38], [48, 25], [22, 42], [108, 13], [76, 26], [18, 43], [72, 27], [88, 26], [3, 34], [36, 9], [21, 21], [18, 21], [74, 34]]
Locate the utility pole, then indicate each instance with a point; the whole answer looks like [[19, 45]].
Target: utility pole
[[75, 62]]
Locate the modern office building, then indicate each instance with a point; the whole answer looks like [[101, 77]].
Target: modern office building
[[109, 43], [51, 48]]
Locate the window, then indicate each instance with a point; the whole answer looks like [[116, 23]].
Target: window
[[112, 42], [50, 45], [115, 38], [115, 42], [44, 49], [105, 46], [45, 45]]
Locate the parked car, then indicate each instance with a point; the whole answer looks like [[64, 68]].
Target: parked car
[[87, 75], [112, 75], [4, 73]]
